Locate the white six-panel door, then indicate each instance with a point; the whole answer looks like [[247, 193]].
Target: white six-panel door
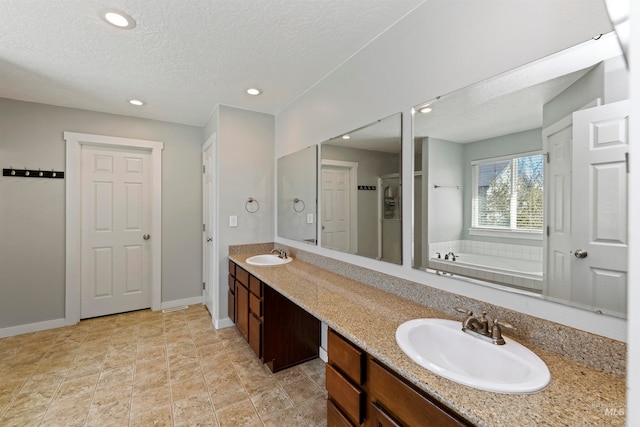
[[336, 214], [601, 144], [209, 208], [557, 140], [115, 242]]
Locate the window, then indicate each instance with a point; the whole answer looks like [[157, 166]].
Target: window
[[508, 193]]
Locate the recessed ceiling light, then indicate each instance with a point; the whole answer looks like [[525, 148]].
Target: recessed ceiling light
[[117, 18], [346, 137], [425, 110], [254, 91], [136, 102]]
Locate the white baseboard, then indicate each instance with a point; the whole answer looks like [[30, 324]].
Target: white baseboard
[[32, 327], [181, 302], [223, 323]]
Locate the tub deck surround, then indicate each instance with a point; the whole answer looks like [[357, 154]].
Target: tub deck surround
[[577, 395]]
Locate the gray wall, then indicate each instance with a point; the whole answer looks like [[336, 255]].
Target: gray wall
[[607, 81], [297, 178], [446, 168], [32, 212], [246, 165], [584, 90]]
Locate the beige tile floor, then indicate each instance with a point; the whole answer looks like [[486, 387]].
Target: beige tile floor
[[147, 368]]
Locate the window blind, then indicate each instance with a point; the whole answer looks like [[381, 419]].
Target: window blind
[[509, 193]]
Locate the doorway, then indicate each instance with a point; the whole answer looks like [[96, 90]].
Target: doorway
[[389, 218], [115, 272]]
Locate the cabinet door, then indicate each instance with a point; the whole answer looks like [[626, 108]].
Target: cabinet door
[[242, 310]]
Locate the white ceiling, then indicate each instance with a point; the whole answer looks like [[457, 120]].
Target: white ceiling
[[184, 56]]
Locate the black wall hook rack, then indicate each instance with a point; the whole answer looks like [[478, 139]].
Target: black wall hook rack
[[32, 173]]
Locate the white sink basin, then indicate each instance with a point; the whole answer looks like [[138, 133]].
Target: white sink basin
[[440, 346], [268, 259]]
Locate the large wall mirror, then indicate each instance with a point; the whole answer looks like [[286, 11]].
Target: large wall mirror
[[521, 180], [297, 195], [360, 191]]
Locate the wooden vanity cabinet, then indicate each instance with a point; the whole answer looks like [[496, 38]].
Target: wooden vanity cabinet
[[363, 391], [281, 333]]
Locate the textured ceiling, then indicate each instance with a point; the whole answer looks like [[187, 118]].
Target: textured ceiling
[[513, 101], [184, 56]]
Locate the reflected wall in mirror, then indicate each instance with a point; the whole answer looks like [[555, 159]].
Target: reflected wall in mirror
[[521, 180], [297, 195], [360, 191]]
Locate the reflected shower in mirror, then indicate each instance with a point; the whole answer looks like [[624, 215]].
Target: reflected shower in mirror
[[521, 182], [297, 195], [360, 191]]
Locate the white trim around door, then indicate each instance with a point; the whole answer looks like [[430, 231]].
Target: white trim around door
[[73, 175]]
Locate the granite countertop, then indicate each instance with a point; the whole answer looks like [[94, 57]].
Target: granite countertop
[[578, 394]]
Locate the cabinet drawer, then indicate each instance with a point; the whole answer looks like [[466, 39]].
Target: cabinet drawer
[[255, 334], [403, 403], [255, 286], [346, 357], [335, 418], [255, 305], [380, 418], [232, 268], [231, 306], [242, 310], [346, 396], [243, 276]]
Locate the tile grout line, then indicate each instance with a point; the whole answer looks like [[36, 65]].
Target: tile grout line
[[116, 332]]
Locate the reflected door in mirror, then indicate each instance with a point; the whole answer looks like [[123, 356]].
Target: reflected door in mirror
[[336, 211]]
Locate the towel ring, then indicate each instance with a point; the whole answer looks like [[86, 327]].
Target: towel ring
[[251, 201], [296, 201]]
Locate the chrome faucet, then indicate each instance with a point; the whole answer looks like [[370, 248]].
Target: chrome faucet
[[450, 256], [483, 328], [282, 253]]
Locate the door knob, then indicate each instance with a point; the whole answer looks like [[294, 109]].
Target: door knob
[[209, 239], [146, 236], [580, 253]]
